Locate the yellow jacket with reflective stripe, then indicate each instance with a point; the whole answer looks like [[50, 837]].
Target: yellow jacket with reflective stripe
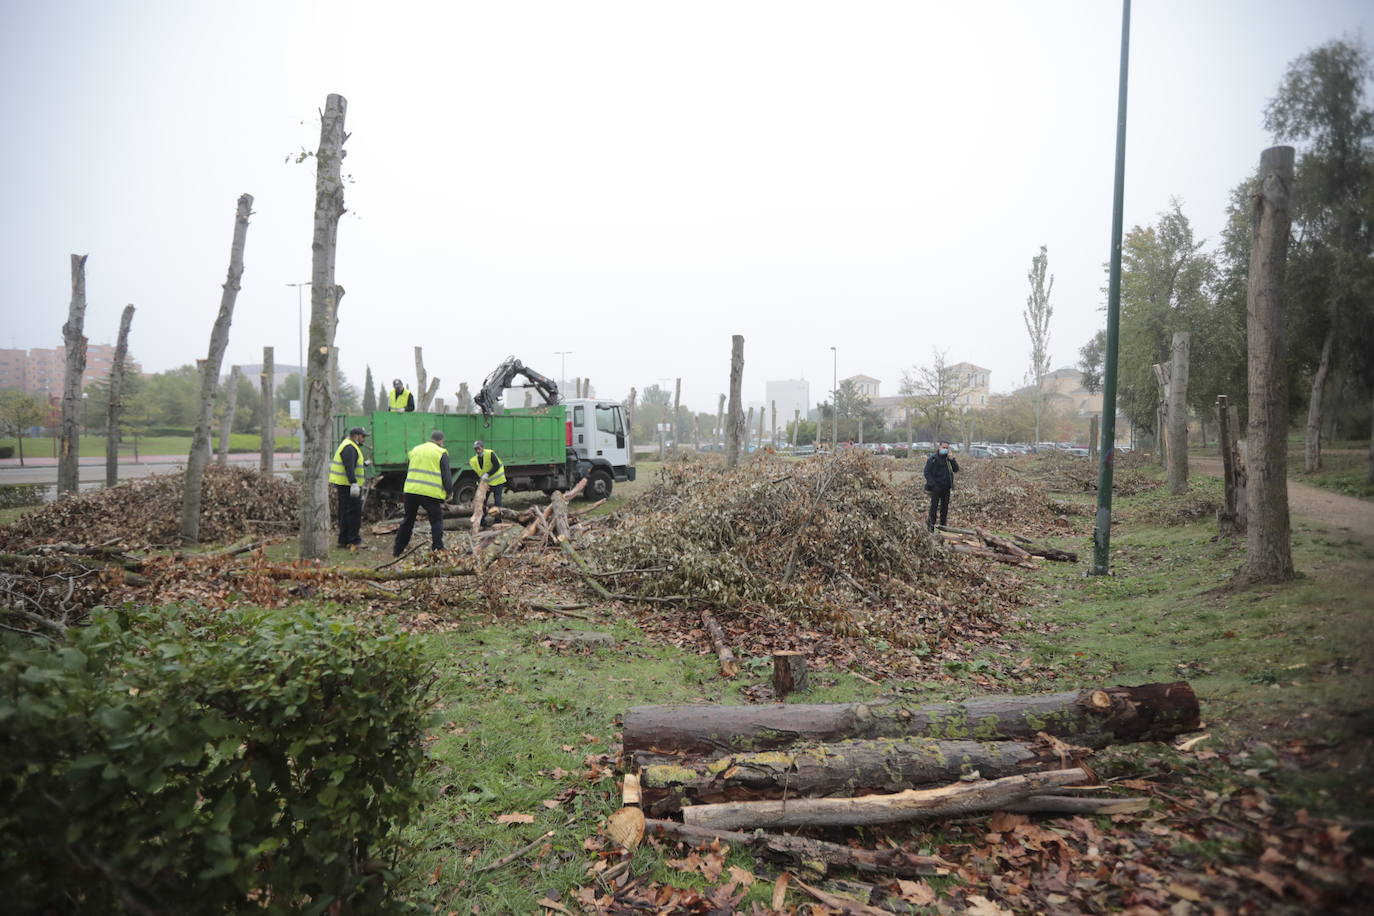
[[398, 402], [337, 472], [485, 468], [425, 475]]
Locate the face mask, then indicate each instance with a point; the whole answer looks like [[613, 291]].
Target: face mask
[[944, 451]]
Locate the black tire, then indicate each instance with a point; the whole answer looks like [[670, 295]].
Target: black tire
[[464, 491], [599, 485]]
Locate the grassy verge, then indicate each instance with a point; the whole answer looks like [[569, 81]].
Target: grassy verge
[[94, 446]]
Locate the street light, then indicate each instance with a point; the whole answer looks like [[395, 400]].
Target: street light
[[562, 369], [834, 399], [300, 369]]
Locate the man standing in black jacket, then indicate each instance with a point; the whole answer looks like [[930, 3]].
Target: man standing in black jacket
[[940, 470]]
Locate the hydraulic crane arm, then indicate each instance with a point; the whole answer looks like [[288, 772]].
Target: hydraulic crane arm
[[501, 378]]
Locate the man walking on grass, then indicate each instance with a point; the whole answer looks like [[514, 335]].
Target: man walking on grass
[[940, 470], [429, 481]]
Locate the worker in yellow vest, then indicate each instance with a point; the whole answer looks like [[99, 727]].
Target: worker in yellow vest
[[429, 481], [488, 467], [399, 399], [346, 475]]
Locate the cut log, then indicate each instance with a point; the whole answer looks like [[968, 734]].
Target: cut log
[[796, 850], [479, 502], [992, 555], [728, 666], [839, 769], [1091, 718], [789, 673], [1073, 804], [1002, 544], [947, 801]]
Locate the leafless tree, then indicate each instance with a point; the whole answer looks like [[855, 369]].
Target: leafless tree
[[734, 430], [226, 422], [69, 458], [116, 405], [269, 412], [934, 391]]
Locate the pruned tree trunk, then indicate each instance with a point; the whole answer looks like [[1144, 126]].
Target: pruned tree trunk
[[773, 434], [1091, 718], [720, 422], [955, 800], [1162, 413], [324, 304], [1093, 435], [226, 423], [1312, 444], [1371, 440], [735, 423], [116, 404], [1178, 414], [464, 398], [758, 442], [1268, 544], [677, 410], [789, 673], [269, 412], [630, 426], [209, 376], [1231, 515], [425, 387], [74, 341], [334, 376], [835, 769]]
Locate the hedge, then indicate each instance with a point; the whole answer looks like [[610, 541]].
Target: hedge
[[263, 761]]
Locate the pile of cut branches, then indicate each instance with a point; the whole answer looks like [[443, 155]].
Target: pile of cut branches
[[139, 514], [827, 541], [989, 494], [1071, 474]]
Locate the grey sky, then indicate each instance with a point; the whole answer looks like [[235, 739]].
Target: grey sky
[[633, 182]]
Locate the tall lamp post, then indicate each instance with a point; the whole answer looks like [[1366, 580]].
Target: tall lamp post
[[300, 368], [834, 399], [562, 369]]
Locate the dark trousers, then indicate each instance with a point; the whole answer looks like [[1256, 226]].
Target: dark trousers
[[939, 502], [434, 509], [350, 517], [495, 494]]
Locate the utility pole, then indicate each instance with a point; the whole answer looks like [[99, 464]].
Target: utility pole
[[1102, 531], [562, 368]]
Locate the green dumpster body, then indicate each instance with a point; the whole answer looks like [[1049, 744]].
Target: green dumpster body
[[520, 437]]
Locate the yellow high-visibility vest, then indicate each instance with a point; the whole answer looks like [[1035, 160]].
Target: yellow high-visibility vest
[[425, 475], [337, 472], [484, 467], [398, 401]]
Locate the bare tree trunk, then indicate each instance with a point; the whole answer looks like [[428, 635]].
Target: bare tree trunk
[[735, 423], [1312, 457], [113, 409], [1178, 414], [69, 458], [464, 398], [333, 369], [911, 433], [209, 377], [1162, 413], [269, 412], [226, 423], [677, 409], [324, 305], [796, 426], [720, 422], [424, 393], [773, 440], [1268, 546], [1092, 438], [1231, 516], [748, 429], [758, 443], [630, 426], [1371, 442]]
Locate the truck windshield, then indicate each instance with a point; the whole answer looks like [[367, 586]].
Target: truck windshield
[[607, 420]]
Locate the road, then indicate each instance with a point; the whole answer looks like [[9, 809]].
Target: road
[[1334, 511], [44, 470]]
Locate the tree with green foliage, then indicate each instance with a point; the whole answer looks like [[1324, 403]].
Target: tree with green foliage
[[19, 411], [1320, 105], [1037, 317], [369, 393]]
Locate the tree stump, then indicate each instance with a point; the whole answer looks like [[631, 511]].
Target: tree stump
[[789, 673]]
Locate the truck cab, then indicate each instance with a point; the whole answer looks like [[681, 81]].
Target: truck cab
[[599, 439]]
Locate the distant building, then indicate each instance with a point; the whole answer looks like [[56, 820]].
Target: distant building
[[973, 382], [791, 395], [866, 385], [42, 370]]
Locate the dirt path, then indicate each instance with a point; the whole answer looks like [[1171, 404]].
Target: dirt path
[[1313, 504]]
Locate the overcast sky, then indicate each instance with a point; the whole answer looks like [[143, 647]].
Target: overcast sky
[[633, 182]]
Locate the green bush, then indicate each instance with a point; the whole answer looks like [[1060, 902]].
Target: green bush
[[6, 451], [264, 761]]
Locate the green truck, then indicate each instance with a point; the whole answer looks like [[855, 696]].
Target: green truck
[[546, 448]]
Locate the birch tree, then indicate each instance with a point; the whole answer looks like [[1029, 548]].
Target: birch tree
[[209, 376]]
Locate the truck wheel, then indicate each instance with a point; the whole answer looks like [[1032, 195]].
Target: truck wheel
[[599, 485], [464, 492]]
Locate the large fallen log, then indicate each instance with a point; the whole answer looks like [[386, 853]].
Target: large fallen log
[[1090, 718], [797, 850], [947, 801], [841, 768]]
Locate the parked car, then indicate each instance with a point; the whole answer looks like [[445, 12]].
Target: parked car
[[980, 451], [1078, 452]]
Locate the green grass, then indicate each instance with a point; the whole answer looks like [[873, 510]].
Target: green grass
[[94, 446], [1345, 469]]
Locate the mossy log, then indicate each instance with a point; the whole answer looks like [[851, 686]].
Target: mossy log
[[914, 804], [1089, 718], [841, 768]]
